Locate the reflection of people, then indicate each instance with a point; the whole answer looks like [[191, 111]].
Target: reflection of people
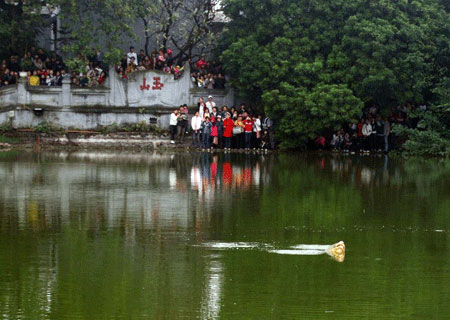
[[227, 174]]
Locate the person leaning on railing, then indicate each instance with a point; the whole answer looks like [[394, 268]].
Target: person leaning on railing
[[34, 79]]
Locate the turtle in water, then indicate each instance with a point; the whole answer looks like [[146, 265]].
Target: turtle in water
[[337, 251]]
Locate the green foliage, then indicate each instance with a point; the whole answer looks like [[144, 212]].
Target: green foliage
[[19, 26], [432, 136], [114, 127], [5, 127], [10, 140], [383, 52], [141, 126], [91, 24], [46, 127], [76, 64], [303, 112]]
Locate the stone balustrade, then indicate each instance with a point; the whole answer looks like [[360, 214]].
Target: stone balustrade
[[143, 96]]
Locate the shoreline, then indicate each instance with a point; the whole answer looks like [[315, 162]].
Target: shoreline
[[74, 140], [90, 140]]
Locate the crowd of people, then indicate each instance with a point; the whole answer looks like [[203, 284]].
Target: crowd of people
[[204, 74], [48, 69], [207, 75], [222, 128], [162, 60], [372, 133]]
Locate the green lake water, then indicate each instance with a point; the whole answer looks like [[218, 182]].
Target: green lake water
[[93, 235]]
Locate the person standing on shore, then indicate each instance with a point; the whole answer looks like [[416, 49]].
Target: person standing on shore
[[214, 134], [367, 132], [206, 133], [196, 124], [181, 125], [379, 128], [238, 133], [228, 130], [219, 124], [387, 131], [173, 125], [248, 128], [257, 132], [267, 125]]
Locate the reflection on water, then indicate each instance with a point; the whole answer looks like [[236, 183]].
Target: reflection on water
[[138, 235], [210, 308], [148, 185]]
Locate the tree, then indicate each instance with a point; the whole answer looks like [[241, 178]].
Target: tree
[[302, 113], [20, 25], [93, 24], [432, 135], [376, 52], [182, 25]]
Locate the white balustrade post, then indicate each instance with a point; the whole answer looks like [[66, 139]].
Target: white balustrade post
[[22, 92], [66, 94]]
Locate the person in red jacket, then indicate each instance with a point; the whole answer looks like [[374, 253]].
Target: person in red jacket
[[248, 129], [228, 130]]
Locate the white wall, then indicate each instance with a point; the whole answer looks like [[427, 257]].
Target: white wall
[[119, 101]]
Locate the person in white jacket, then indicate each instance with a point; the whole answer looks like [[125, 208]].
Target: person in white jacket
[[196, 123], [210, 104], [132, 54], [173, 125], [367, 131]]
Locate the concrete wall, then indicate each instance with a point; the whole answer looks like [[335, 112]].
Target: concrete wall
[[75, 118], [145, 95], [8, 95]]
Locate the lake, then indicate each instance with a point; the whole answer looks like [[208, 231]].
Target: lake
[[121, 235]]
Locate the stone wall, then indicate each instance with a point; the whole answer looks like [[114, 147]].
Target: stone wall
[[145, 95]]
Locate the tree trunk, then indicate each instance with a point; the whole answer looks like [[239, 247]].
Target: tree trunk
[[147, 36]]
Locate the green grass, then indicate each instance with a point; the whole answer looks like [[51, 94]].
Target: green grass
[[5, 139]]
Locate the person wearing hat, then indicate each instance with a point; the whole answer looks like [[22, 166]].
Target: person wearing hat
[[210, 104]]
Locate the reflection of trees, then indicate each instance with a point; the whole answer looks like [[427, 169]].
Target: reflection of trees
[[81, 236], [390, 188], [156, 192]]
